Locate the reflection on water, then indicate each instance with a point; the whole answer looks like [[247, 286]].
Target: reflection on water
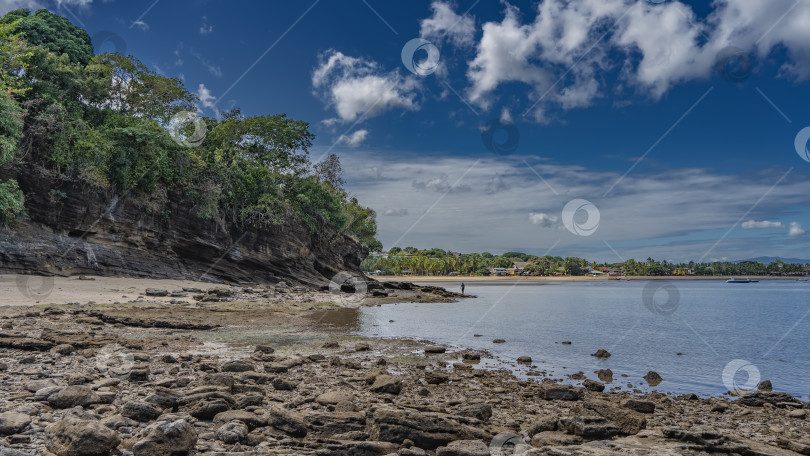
[[342, 319]]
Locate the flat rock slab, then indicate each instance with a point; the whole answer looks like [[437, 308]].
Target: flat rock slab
[[13, 422]]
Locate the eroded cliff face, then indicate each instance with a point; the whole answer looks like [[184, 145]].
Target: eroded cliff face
[[73, 229]]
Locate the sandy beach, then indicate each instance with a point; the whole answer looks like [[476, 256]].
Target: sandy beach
[[26, 290]]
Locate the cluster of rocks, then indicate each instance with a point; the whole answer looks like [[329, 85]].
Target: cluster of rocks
[[373, 292], [105, 394]]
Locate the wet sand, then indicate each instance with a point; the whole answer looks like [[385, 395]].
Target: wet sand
[[27, 290]]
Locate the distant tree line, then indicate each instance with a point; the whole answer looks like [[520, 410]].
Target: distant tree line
[[440, 262]]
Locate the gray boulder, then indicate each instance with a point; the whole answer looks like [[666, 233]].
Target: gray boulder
[[72, 396], [77, 437], [167, 438], [13, 422]]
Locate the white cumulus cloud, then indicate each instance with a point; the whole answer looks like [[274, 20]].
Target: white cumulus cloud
[[562, 53], [359, 88], [446, 25], [795, 229], [207, 100]]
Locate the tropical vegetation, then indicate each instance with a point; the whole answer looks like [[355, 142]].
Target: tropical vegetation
[[411, 260], [108, 122]]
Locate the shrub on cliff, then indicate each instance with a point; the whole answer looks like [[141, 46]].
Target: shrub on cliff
[[12, 202]]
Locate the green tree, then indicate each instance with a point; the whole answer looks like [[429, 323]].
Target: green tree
[[10, 127], [12, 202], [330, 170], [52, 32], [361, 223], [14, 55], [124, 84], [106, 120], [575, 266]]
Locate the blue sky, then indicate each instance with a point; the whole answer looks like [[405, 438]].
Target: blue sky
[[618, 103]]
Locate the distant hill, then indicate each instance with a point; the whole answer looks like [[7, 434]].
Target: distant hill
[[767, 260]]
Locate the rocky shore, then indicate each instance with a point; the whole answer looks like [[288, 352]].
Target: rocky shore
[[251, 370]]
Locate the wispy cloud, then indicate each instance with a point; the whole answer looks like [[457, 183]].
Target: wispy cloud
[[794, 228], [141, 25], [677, 214], [354, 139], [759, 225], [440, 185], [212, 68], [206, 29], [9, 5], [543, 219]]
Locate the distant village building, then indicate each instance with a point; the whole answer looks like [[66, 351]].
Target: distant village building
[[616, 272], [683, 272], [519, 267]]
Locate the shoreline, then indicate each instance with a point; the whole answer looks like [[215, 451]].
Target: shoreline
[[531, 279], [273, 372]]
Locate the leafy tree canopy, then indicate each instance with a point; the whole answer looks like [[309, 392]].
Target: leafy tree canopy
[[110, 122], [52, 32]]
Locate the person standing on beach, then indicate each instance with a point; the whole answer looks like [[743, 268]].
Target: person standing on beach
[[462, 287]]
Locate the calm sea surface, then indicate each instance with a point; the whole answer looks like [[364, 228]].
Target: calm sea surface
[[727, 334]]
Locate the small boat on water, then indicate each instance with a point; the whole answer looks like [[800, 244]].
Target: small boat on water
[[733, 280]]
